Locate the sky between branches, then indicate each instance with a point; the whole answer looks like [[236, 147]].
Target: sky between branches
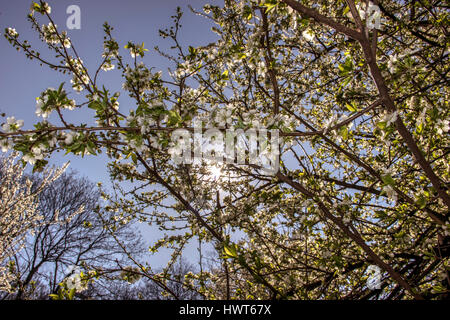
[[22, 80]]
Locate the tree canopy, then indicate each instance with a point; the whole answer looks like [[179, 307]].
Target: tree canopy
[[357, 91]]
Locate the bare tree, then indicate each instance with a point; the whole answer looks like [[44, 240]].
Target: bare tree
[[143, 288], [82, 241], [19, 213]]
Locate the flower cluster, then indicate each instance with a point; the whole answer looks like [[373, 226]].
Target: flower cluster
[[207, 8], [390, 192], [212, 54], [80, 78], [372, 13], [140, 78], [115, 102], [110, 50], [46, 8], [74, 280], [137, 144], [282, 121], [39, 104], [176, 148], [234, 91], [222, 117], [43, 8], [108, 65], [393, 59], [184, 69], [12, 125], [12, 32], [308, 35], [133, 52], [69, 137], [50, 35], [143, 122], [37, 153], [51, 99], [443, 126], [136, 50], [389, 118], [5, 144]]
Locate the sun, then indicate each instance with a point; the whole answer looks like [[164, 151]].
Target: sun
[[215, 172]]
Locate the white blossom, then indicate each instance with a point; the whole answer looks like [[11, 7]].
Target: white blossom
[[29, 158], [390, 192], [443, 126], [5, 144], [391, 63], [389, 118], [66, 43], [71, 105], [12, 32], [308, 35], [68, 137], [330, 122], [108, 66], [47, 8], [39, 112], [12, 125]]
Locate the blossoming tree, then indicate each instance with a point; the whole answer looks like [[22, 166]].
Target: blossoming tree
[[19, 214], [357, 90]]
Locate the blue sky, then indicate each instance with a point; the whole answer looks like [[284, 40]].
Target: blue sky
[[22, 80]]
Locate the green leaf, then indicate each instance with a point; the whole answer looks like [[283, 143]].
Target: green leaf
[[39, 165], [54, 296], [350, 107], [344, 132], [420, 128], [346, 81], [346, 10], [380, 214], [156, 110], [230, 251], [270, 5], [225, 75], [60, 88], [91, 148], [174, 118], [382, 125], [192, 51], [247, 12], [387, 179], [421, 202], [304, 22], [346, 67], [71, 294], [96, 105], [134, 157]]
